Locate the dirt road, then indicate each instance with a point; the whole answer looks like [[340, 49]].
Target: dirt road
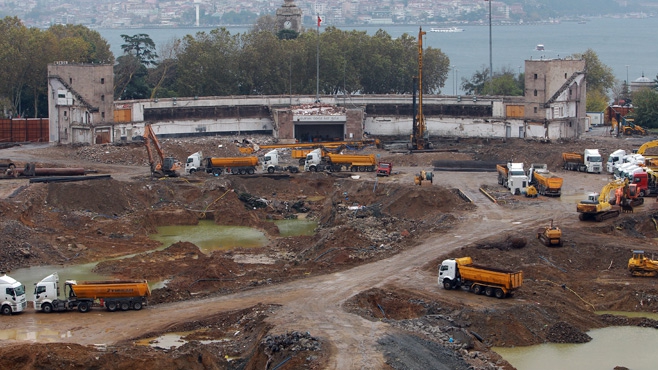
[[315, 302]]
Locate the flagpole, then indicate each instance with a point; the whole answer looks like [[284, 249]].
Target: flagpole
[[490, 50], [317, 77]]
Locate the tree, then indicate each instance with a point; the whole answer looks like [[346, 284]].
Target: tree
[[504, 82], [142, 47], [645, 107], [265, 23], [163, 77], [130, 78], [72, 39], [208, 64], [476, 85], [596, 101], [599, 76]]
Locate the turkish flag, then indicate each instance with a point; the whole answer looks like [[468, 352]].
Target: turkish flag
[[319, 21]]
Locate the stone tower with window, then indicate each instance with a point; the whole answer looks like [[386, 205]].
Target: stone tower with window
[[289, 17]]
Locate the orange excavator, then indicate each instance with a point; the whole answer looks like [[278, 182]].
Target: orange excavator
[[167, 166]]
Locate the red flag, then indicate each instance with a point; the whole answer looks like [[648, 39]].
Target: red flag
[[319, 21]]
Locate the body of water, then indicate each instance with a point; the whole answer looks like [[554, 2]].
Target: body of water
[[628, 346], [624, 45]]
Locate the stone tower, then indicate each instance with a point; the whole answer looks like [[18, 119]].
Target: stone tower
[[289, 17]]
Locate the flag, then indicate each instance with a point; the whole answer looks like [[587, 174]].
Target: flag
[[319, 21]]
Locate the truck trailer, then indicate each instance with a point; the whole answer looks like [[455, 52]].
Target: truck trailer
[[590, 161], [461, 272], [546, 183], [113, 295], [513, 177], [318, 160], [12, 295], [218, 165]]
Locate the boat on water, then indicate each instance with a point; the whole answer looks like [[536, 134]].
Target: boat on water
[[540, 47], [447, 29]]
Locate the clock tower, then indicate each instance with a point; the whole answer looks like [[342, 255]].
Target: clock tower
[[289, 17]]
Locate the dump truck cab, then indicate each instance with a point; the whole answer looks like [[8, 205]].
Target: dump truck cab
[[12, 295]]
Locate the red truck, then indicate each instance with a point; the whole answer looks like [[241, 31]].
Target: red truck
[[384, 168]]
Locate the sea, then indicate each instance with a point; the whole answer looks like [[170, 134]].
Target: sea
[[626, 45]]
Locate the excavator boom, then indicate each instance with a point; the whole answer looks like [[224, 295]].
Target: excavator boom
[[167, 166]]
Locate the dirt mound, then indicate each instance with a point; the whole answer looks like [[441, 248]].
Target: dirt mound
[[562, 332]]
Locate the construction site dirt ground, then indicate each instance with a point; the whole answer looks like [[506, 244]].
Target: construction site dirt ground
[[360, 293]]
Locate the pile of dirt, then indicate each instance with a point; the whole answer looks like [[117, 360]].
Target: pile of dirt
[[562, 332]]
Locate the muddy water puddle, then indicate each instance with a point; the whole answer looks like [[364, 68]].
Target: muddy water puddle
[[628, 346], [174, 340], [296, 227], [42, 335], [207, 235]]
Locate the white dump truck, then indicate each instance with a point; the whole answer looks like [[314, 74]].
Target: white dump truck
[[271, 163], [12, 295]]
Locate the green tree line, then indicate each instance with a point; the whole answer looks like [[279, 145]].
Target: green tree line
[[263, 63], [25, 54], [216, 63]]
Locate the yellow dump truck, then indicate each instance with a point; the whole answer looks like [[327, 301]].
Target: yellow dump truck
[[218, 165], [353, 162], [462, 273], [546, 183], [113, 295], [318, 160]]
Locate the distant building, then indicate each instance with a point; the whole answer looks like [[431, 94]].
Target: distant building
[[289, 17], [80, 102], [642, 82]]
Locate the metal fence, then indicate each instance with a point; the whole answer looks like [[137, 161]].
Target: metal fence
[[18, 130]]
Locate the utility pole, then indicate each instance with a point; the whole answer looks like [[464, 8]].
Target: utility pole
[[317, 77]]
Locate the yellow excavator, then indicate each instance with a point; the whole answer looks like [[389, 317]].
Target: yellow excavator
[[597, 206], [639, 265], [648, 145]]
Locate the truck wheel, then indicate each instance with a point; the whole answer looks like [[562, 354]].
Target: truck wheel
[[192, 171], [477, 289], [270, 170], [47, 308], [111, 306], [313, 169], [125, 306], [137, 306], [447, 285], [250, 171], [83, 307], [353, 169], [499, 293], [489, 291], [6, 310]]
